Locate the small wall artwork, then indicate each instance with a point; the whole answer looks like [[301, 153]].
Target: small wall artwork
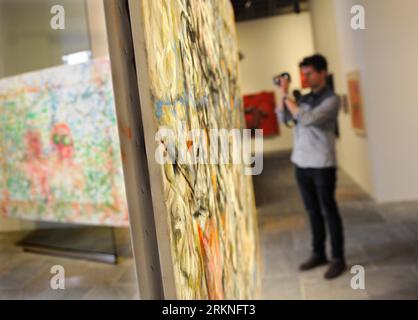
[[356, 102], [59, 146], [260, 113]]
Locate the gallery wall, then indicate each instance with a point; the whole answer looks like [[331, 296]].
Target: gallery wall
[[26, 29], [272, 46], [383, 163], [353, 149]]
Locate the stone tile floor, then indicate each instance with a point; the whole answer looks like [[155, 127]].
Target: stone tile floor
[[27, 276], [381, 238]]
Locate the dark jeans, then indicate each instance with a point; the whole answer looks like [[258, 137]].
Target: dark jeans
[[317, 187]]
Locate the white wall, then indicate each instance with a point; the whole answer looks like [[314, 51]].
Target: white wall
[[385, 53], [30, 43], [390, 52], [352, 149], [272, 46]]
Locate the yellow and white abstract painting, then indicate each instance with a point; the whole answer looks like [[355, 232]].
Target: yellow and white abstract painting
[[192, 59]]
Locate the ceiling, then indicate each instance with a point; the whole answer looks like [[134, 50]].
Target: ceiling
[[256, 9]]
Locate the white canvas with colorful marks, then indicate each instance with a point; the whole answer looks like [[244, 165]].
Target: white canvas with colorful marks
[[59, 146]]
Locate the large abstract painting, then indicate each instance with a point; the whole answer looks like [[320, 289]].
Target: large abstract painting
[[59, 147], [192, 62]]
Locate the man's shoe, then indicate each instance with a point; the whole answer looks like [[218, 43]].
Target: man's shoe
[[336, 268], [313, 262]]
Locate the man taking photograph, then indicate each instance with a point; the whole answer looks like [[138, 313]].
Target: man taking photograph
[[315, 117]]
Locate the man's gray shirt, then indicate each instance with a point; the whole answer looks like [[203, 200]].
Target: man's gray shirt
[[314, 133]]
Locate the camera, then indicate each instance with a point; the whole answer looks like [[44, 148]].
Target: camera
[[277, 79]]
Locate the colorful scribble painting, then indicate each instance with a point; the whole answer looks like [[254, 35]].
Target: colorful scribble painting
[[59, 146], [192, 58]]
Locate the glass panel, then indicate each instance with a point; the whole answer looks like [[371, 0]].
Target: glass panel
[[60, 166]]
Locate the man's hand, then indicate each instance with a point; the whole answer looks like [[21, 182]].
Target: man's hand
[[292, 107], [280, 106], [284, 86], [284, 91]]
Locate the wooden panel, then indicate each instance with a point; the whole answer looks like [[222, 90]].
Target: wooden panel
[[134, 159]]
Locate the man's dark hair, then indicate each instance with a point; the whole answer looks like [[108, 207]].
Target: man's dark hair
[[317, 61]]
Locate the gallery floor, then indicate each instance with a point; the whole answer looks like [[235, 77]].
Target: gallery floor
[[382, 238], [27, 276]]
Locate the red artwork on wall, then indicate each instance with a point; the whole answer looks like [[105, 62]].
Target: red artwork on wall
[[356, 101], [260, 113]]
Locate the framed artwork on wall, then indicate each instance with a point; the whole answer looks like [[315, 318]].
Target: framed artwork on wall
[[356, 102], [260, 114]]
